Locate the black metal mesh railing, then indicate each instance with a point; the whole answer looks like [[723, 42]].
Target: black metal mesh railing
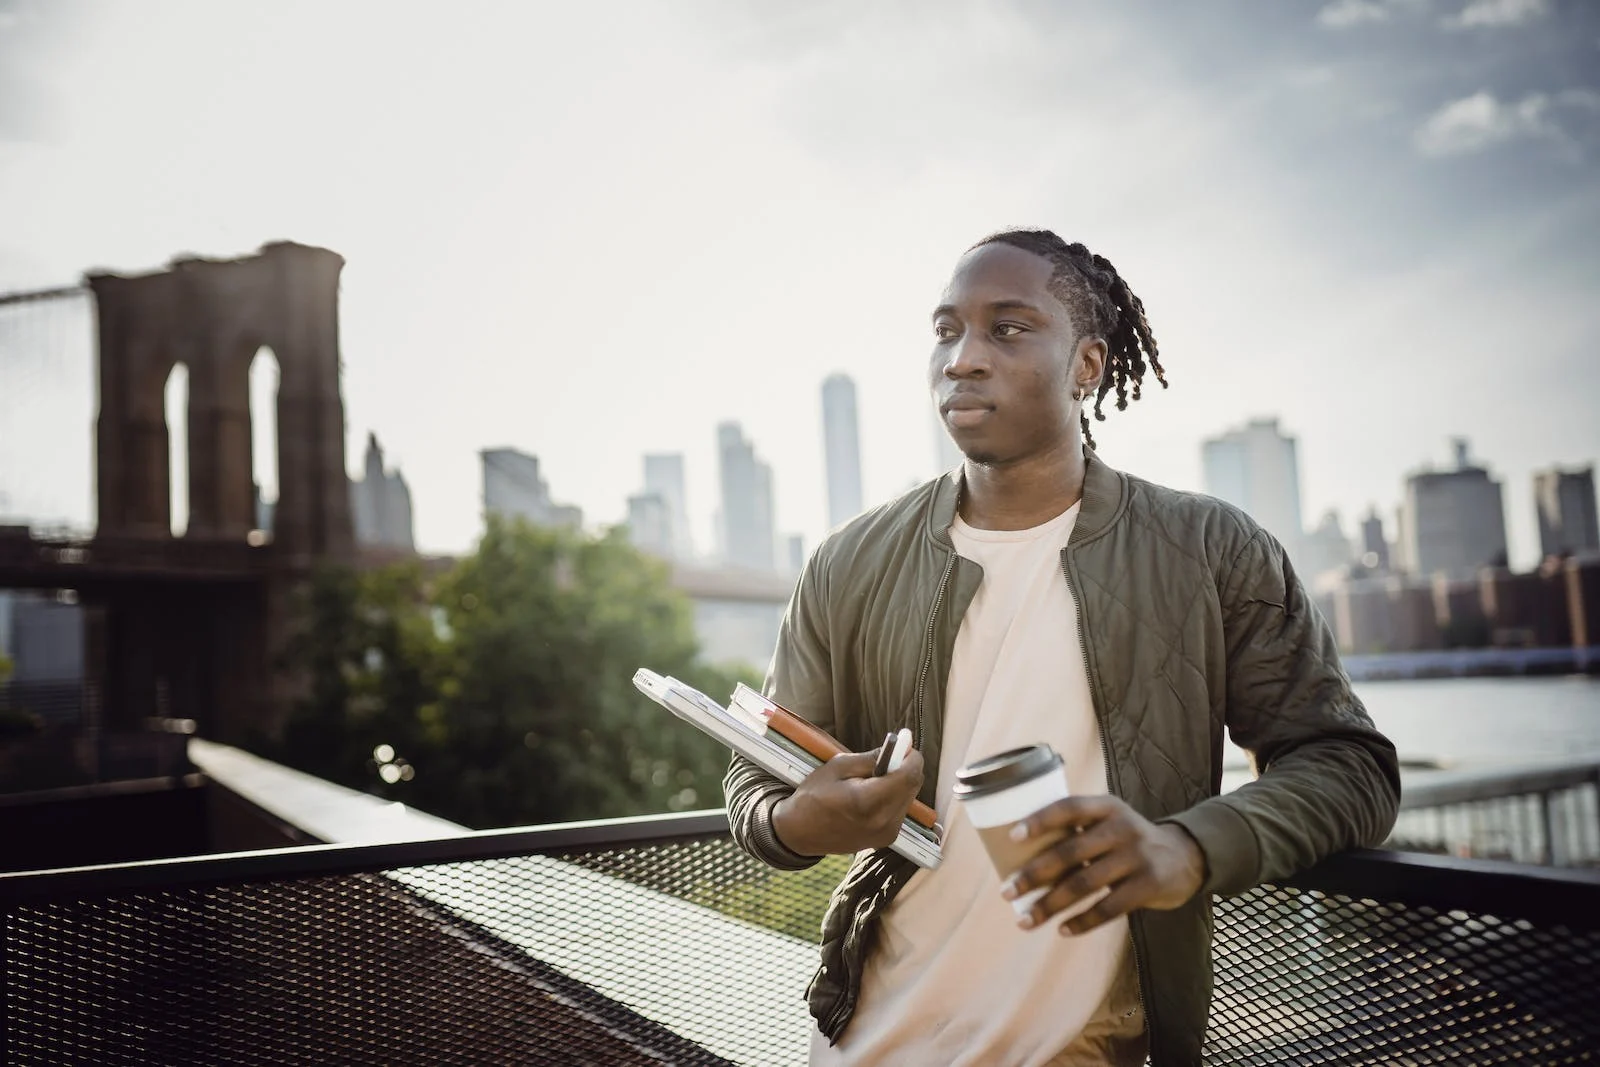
[[27, 707], [657, 942], [1543, 814], [1314, 978]]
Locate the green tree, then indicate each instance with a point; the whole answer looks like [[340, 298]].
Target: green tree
[[375, 664], [548, 627], [505, 685], [790, 902]]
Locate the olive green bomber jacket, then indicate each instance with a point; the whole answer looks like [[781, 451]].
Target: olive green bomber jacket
[[1192, 623]]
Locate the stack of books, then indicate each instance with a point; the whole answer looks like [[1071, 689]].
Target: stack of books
[[781, 743]]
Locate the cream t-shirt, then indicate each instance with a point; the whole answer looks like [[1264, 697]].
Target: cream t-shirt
[[953, 979]]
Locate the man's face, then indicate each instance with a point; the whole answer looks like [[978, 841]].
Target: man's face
[[1002, 362]]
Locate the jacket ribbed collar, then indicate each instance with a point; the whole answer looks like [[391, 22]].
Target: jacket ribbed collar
[[1103, 490]]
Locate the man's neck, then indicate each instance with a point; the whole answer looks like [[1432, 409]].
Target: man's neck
[[1024, 494]]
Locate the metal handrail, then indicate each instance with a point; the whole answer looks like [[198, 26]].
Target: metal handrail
[[1466, 787], [1568, 898], [317, 860], [56, 293]]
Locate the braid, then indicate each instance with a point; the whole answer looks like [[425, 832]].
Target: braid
[[1101, 305]]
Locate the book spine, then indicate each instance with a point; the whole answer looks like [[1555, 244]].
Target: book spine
[[823, 747], [779, 741], [814, 741], [802, 733]]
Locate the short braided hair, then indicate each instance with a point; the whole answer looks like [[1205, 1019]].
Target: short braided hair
[[1101, 305]]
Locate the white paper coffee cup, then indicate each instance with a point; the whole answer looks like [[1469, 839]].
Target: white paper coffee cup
[[1000, 791]]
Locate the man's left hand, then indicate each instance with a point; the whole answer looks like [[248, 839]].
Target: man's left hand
[[1107, 844]]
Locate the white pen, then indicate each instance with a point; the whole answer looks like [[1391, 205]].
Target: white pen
[[902, 746]]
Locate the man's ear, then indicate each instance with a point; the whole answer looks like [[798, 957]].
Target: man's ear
[[1088, 364]]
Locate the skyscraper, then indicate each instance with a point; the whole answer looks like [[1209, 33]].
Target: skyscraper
[[663, 477], [1453, 522], [513, 488], [748, 537], [1257, 468], [650, 524], [841, 440], [1566, 503], [1374, 545], [380, 504], [1324, 547]]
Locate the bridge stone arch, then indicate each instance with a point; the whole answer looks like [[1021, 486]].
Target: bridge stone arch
[[213, 316]]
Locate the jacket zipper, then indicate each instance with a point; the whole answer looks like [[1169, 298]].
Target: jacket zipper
[[845, 1002], [1105, 754], [927, 642]]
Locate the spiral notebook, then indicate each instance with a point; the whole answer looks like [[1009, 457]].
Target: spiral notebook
[[750, 737]]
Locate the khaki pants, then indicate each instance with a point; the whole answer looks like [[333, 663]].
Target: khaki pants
[[1115, 1036]]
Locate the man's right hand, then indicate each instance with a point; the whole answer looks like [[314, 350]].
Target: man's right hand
[[841, 808]]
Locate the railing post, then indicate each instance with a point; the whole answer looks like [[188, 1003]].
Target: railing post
[[1547, 824], [90, 713]]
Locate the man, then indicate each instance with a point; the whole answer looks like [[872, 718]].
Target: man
[[1036, 594]]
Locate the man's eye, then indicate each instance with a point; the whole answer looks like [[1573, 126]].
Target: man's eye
[[1008, 329], [943, 331]]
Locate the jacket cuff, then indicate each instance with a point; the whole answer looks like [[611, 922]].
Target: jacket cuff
[[1233, 858], [763, 839]]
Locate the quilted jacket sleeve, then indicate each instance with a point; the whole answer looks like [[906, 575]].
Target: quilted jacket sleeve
[[1328, 780], [800, 678]]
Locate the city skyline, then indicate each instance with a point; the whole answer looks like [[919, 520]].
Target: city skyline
[[1318, 543], [1520, 506], [1373, 211]]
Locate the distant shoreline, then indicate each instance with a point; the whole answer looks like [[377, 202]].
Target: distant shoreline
[[1473, 663]]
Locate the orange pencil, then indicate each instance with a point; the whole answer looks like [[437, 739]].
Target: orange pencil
[[817, 743]]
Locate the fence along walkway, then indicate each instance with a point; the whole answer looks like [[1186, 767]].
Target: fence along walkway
[[1544, 813], [656, 941]]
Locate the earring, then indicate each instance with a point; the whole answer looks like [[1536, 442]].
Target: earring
[[1081, 395]]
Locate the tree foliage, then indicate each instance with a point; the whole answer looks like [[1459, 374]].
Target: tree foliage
[[790, 902], [501, 691]]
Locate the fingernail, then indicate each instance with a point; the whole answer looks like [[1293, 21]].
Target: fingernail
[[1067, 930], [1025, 921], [1009, 891], [1019, 832]]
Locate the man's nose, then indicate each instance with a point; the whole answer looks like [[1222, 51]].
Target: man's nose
[[968, 358]]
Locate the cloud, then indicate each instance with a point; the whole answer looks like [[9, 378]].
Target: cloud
[[32, 41], [1480, 121], [1490, 14], [1342, 14], [1581, 99]]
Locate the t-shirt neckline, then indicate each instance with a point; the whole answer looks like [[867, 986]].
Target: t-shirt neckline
[[1032, 533]]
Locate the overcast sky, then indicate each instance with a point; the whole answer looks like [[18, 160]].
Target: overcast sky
[[595, 230]]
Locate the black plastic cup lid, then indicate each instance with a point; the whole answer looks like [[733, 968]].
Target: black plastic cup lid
[[996, 773]]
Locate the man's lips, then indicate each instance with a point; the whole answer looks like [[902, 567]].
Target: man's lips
[[964, 403], [964, 412]]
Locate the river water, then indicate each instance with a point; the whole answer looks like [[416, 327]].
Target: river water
[[1479, 723]]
